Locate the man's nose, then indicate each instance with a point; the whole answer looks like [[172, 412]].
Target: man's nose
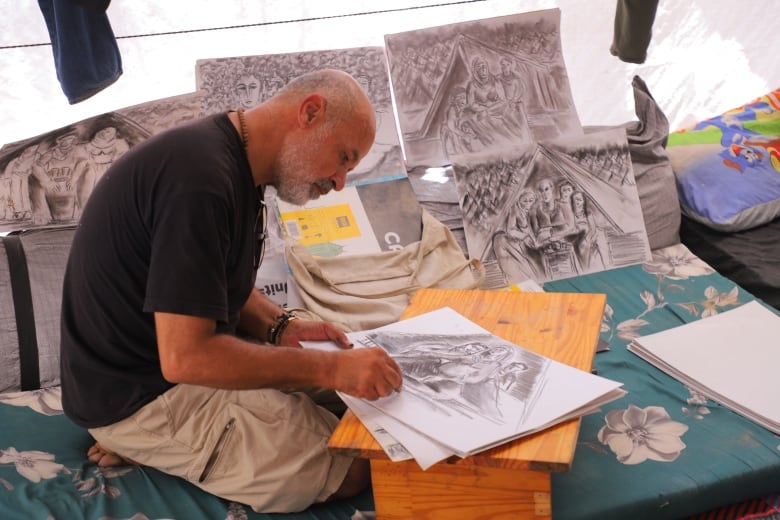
[[339, 179]]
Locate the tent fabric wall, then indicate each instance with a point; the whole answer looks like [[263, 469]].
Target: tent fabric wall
[[702, 59]]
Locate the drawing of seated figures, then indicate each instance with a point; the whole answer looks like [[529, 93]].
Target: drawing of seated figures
[[454, 137], [6, 201], [513, 90], [586, 242], [16, 177], [515, 245], [104, 148], [55, 179], [493, 117], [553, 224]]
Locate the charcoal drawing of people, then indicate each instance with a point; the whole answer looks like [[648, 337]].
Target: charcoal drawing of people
[[104, 148], [547, 213], [485, 98], [513, 380], [16, 201], [510, 81], [565, 190], [454, 139], [6, 202], [459, 374], [54, 179], [586, 243], [515, 244], [494, 116], [247, 89], [514, 91], [483, 92]]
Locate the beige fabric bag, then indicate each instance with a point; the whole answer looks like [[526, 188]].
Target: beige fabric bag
[[360, 292]]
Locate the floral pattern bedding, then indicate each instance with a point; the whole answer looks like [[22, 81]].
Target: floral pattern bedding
[[662, 451], [44, 474]]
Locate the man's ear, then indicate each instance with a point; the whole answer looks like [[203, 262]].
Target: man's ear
[[312, 109]]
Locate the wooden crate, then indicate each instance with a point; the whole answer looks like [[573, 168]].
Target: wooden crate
[[508, 481]]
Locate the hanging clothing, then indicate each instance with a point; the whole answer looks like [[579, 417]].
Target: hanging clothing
[[86, 55], [633, 29]]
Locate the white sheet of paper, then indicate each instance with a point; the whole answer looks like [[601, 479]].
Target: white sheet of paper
[[439, 407], [731, 357]]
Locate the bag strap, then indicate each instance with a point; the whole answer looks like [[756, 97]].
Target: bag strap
[[30, 377]]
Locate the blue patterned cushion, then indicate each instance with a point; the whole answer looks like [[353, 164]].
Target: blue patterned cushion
[[728, 166]]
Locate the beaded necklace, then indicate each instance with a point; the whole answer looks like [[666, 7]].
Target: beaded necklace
[[242, 126]]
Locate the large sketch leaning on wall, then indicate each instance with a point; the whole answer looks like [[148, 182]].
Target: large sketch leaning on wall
[[46, 180], [480, 85], [243, 82], [552, 209]]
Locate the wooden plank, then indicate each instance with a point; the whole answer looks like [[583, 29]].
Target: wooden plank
[[402, 491], [562, 326]]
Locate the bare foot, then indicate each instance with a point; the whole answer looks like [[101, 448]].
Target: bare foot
[[104, 458]]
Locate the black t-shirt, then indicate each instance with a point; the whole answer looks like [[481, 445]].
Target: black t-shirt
[[169, 228]]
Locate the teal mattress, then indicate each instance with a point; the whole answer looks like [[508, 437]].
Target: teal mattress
[[44, 474], [660, 452], [663, 451]]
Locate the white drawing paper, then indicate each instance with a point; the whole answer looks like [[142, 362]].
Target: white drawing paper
[[470, 390], [731, 357]]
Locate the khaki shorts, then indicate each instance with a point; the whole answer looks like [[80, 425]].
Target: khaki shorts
[[264, 448]]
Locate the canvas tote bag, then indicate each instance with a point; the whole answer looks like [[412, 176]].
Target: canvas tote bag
[[361, 292]]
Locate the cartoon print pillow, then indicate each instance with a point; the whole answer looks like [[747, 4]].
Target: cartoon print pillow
[[728, 167]]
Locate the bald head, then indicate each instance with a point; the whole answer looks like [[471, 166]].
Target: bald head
[[306, 138], [346, 101]]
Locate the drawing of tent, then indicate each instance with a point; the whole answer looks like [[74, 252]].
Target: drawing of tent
[[422, 127]]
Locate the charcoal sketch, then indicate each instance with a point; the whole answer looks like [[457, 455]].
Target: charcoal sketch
[[246, 81], [480, 86], [467, 374], [46, 180], [553, 209]]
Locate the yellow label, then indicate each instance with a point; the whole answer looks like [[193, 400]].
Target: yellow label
[[321, 225]]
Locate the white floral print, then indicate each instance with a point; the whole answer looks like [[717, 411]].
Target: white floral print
[[677, 263], [637, 434], [33, 465], [46, 401]]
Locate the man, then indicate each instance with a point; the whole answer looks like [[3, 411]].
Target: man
[[160, 282]]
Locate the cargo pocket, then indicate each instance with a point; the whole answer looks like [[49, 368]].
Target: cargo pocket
[[218, 447]]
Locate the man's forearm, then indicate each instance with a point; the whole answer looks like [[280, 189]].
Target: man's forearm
[[258, 315]]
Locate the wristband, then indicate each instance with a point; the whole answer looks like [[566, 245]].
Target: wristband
[[275, 330]]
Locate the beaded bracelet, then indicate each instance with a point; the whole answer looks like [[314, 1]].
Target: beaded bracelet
[[275, 330]]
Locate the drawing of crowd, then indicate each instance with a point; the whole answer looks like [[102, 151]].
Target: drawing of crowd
[[465, 374], [474, 87], [551, 231], [420, 61], [48, 180]]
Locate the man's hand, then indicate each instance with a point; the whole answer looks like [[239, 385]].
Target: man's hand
[[367, 373], [306, 330]]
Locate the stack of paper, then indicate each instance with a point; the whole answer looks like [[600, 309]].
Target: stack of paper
[[731, 357], [466, 390]]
